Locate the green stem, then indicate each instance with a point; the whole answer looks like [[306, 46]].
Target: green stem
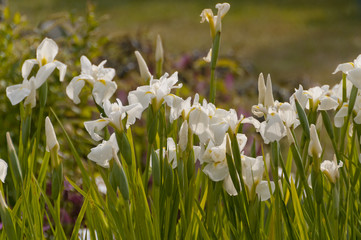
[[215, 50]]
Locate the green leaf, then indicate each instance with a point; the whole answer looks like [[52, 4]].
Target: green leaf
[[299, 218], [303, 119]]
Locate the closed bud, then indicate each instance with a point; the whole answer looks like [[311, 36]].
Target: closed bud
[[143, 68], [51, 140], [159, 54], [314, 148], [261, 89], [183, 136], [268, 100]]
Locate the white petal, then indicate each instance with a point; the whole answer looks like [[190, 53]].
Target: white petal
[[344, 67], [357, 119], [106, 74], [3, 170], [46, 51], [208, 58], [134, 112], [141, 95], [18, 92], [172, 152], [183, 136], [62, 69], [288, 114], [93, 126], [262, 190], [103, 91], [223, 8], [198, 121], [27, 67], [176, 104], [354, 76], [340, 116], [242, 140], [101, 154], [216, 171], [327, 103], [86, 66], [229, 186], [74, 88], [219, 131], [252, 121], [43, 74], [274, 129], [31, 99]]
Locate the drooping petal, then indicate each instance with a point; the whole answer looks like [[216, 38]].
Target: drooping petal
[[141, 95], [274, 129], [242, 140], [43, 74], [327, 103], [62, 69], [263, 190], [27, 67], [134, 112], [31, 99], [354, 76], [74, 88], [198, 120], [176, 105], [3, 170], [288, 115], [18, 92], [217, 171], [344, 67], [101, 154], [94, 126], [103, 90], [104, 152], [229, 186], [357, 119], [340, 116], [172, 152]]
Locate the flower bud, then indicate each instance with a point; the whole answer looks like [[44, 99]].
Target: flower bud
[[183, 136], [159, 54], [51, 140], [261, 89], [268, 100], [143, 68], [314, 148]]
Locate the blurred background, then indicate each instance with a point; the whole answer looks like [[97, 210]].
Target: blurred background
[[294, 41]]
